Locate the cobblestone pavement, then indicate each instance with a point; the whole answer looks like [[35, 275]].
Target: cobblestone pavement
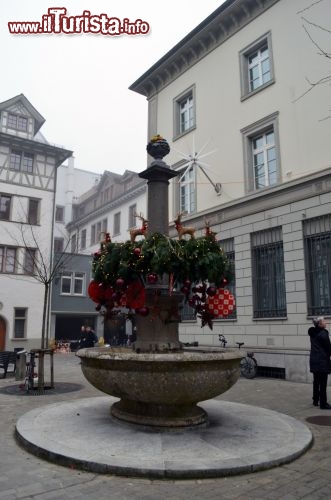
[[25, 476]]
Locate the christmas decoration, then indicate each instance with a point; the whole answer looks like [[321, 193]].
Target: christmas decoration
[[221, 304], [121, 271]]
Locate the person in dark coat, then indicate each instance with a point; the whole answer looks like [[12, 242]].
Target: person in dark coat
[[320, 352], [88, 338]]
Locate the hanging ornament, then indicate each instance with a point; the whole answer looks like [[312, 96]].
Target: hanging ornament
[[222, 303], [96, 292]]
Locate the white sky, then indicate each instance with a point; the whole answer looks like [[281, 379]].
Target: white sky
[[79, 83]]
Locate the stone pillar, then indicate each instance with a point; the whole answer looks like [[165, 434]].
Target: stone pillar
[[158, 331]]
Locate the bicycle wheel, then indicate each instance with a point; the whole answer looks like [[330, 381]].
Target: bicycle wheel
[[248, 367]]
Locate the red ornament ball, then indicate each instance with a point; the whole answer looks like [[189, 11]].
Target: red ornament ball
[[152, 278], [96, 292], [137, 251], [143, 311]]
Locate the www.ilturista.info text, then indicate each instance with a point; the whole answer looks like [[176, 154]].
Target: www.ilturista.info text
[[57, 22]]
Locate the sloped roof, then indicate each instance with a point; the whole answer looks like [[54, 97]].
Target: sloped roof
[[39, 119]]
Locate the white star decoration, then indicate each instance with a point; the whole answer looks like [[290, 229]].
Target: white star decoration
[[195, 160]]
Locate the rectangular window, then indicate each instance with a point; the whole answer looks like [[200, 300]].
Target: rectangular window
[[93, 234], [27, 162], [132, 216], [262, 153], [184, 112], [269, 295], [264, 159], [78, 283], [317, 249], [20, 317], [59, 214], [98, 232], [72, 283], [117, 223], [73, 243], [7, 259], [83, 239], [33, 212], [17, 122], [256, 65], [29, 261], [104, 225], [21, 161], [187, 190], [5, 206], [228, 248], [58, 245]]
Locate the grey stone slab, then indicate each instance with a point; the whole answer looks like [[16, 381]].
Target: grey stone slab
[[239, 438]]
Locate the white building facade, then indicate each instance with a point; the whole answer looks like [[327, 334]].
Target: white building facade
[[113, 205], [28, 167], [254, 160]]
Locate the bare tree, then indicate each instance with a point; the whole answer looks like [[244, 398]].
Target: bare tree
[[308, 27], [41, 265]]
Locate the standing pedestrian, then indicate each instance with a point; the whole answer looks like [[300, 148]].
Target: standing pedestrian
[[320, 352]]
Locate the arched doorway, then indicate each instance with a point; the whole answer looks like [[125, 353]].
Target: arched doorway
[[2, 334]]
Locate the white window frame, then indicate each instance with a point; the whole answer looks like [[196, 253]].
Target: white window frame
[[190, 110], [92, 234], [58, 242], [244, 55], [132, 217], [187, 188], [83, 237], [73, 243], [72, 278], [7, 261], [59, 213], [250, 133], [5, 202], [33, 211], [25, 163], [20, 318], [117, 223], [30, 261], [17, 122]]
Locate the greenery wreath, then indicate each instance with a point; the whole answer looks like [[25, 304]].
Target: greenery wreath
[[118, 267]]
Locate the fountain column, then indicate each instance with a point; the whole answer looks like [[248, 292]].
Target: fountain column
[[158, 332]]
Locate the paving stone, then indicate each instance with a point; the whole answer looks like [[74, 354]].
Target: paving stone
[[306, 478]]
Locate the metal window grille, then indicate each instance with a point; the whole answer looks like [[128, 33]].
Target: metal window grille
[[269, 295], [317, 249]]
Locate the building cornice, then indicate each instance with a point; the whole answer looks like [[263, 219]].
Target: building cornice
[[223, 23], [314, 184]]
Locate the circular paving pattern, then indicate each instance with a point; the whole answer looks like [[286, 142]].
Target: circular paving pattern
[[239, 438]]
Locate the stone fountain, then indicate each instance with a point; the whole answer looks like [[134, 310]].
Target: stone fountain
[[159, 383]]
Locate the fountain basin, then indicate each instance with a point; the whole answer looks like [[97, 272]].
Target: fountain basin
[[160, 389]]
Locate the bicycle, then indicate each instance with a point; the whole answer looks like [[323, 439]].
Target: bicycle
[[248, 364]]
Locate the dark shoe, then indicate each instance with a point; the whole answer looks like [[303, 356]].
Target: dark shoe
[[326, 407]]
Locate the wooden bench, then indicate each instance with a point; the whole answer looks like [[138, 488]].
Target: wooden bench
[[8, 359]]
